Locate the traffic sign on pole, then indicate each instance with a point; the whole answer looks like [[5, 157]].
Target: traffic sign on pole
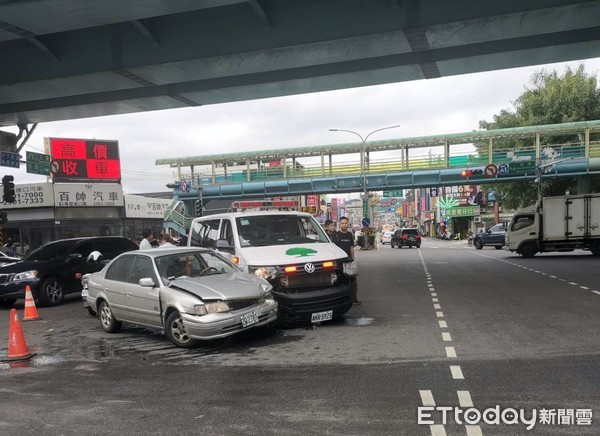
[[38, 163]]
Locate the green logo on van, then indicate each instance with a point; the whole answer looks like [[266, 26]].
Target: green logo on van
[[300, 252]]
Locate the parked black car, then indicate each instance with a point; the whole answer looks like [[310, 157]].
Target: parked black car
[[407, 237], [494, 236], [55, 269]]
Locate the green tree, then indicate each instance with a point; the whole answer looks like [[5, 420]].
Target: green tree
[[549, 99]]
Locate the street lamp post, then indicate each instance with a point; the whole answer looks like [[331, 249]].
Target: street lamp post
[[363, 164]]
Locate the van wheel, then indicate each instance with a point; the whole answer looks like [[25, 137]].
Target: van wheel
[[498, 247], [528, 249]]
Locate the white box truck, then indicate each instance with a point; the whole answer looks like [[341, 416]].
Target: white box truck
[[562, 223]]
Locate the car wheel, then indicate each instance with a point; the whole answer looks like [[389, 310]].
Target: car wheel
[[528, 249], [51, 292], [7, 302], [498, 247], [478, 243], [175, 331], [107, 319]]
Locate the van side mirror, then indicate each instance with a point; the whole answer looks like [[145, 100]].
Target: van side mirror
[[223, 243]]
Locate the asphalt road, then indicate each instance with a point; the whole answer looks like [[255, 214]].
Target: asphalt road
[[444, 325]]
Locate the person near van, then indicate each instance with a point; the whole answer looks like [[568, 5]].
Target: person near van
[[167, 241], [345, 240], [148, 236], [330, 230]]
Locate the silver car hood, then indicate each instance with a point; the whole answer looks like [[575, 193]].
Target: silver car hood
[[231, 286]]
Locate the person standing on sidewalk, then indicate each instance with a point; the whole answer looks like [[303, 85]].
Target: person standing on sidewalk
[[345, 240], [145, 244], [330, 230]]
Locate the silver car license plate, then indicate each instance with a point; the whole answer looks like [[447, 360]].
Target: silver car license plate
[[321, 316], [249, 318]]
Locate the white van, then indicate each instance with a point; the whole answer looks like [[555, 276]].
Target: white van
[[313, 279]]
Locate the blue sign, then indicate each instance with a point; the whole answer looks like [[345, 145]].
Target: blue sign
[[366, 222], [8, 159], [503, 169]]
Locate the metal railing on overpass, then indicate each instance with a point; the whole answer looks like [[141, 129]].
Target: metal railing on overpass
[[402, 163]]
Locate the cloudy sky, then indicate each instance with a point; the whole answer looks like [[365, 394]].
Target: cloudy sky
[[426, 107]]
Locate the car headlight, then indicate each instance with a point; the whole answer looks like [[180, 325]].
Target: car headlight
[[26, 275], [351, 269], [266, 291], [204, 309], [264, 272]]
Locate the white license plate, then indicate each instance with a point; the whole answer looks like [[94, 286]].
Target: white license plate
[[321, 316], [249, 318]]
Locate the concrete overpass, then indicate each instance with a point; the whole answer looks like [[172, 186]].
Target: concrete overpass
[[67, 59]]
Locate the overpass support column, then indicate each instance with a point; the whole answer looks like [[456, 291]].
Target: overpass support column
[[587, 142], [247, 170], [446, 153], [284, 162], [538, 152], [491, 151], [214, 172], [584, 184]]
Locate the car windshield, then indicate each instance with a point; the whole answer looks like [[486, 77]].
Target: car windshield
[[410, 232], [264, 230], [53, 250], [192, 264]]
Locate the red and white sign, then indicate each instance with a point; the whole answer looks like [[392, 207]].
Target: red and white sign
[[84, 160]]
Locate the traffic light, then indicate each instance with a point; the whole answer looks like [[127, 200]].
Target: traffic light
[[475, 172], [198, 208], [9, 189]]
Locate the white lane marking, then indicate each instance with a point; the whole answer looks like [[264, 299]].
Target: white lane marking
[[439, 314], [474, 430], [450, 352], [573, 283], [433, 294], [585, 287], [446, 337], [437, 430], [596, 292], [464, 399], [427, 398], [456, 372], [443, 324], [435, 300], [552, 277], [437, 306]]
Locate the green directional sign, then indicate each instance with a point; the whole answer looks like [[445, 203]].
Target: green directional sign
[[463, 211], [38, 163], [521, 167], [392, 193]]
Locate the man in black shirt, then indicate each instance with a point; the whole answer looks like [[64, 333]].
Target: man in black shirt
[[330, 230], [345, 240]]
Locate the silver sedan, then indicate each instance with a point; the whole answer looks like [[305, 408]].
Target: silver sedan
[[191, 294]]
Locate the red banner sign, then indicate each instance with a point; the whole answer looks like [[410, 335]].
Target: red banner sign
[[77, 160]]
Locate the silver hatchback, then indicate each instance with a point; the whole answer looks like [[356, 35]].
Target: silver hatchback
[[191, 294]]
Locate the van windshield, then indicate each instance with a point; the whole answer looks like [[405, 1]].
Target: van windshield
[[264, 230]]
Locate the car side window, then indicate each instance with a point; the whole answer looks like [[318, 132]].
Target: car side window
[[142, 269], [120, 270], [84, 249], [111, 248], [227, 234]]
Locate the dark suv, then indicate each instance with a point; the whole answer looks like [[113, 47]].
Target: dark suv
[[494, 236], [55, 269], [409, 237]]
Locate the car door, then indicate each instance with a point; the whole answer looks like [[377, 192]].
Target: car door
[[143, 301], [115, 286], [76, 265], [497, 233]]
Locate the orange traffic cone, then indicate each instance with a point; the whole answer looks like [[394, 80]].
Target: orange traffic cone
[[30, 312], [17, 349]]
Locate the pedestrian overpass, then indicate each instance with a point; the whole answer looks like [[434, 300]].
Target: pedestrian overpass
[[492, 156]]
